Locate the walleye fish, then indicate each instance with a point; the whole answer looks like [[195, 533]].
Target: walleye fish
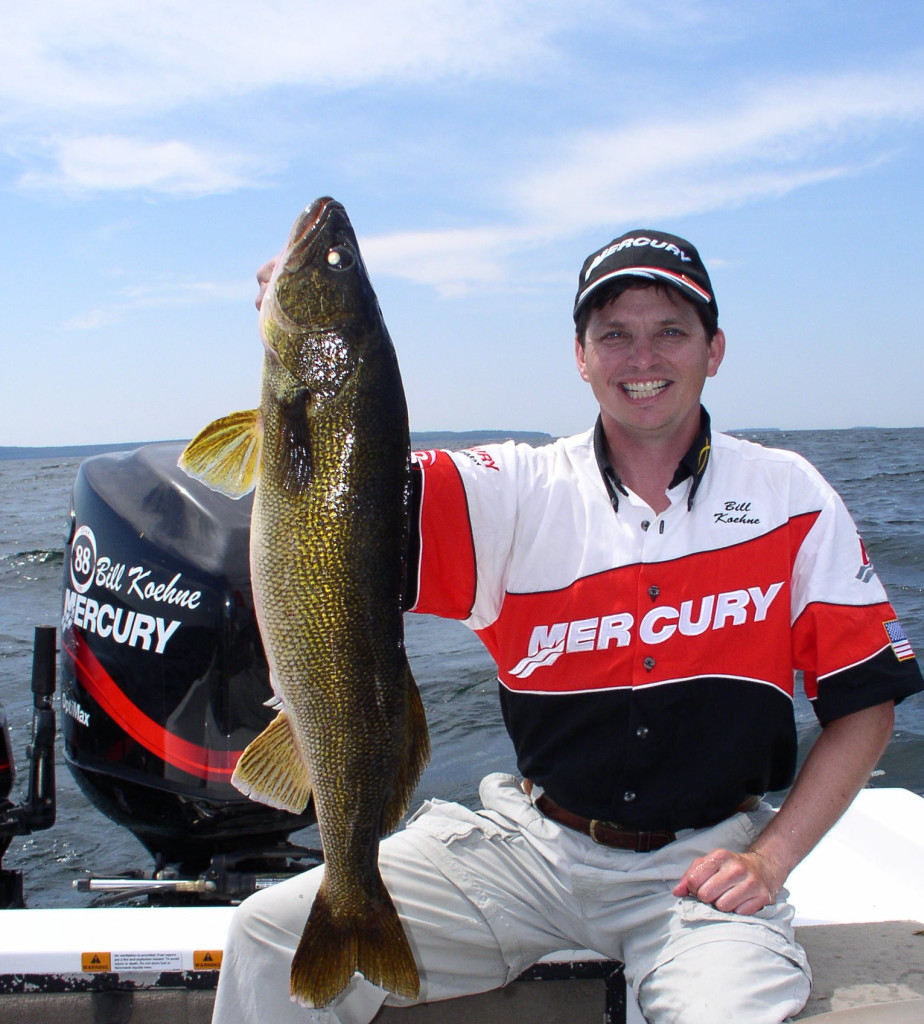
[[327, 454]]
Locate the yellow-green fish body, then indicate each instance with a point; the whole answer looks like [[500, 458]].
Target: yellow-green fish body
[[328, 452]]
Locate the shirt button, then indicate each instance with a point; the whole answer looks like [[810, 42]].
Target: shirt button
[[649, 663], [628, 796], [653, 592], [642, 732], [645, 524]]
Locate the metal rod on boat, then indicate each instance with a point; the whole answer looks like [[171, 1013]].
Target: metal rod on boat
[[38, 809], [40, 802], [143, 884]]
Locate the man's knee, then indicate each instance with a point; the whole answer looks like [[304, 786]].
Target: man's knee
[[276, 915], [724, 980]]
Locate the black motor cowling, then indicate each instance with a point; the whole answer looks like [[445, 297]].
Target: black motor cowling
[[164, 677]]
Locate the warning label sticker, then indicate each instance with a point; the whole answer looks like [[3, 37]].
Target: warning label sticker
[[93, 962], [206, 959], [154, 960]]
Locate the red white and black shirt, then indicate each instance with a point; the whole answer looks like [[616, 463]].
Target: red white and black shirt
[[646, 662]]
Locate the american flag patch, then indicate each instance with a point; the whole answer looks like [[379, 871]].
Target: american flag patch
[[898, 640]]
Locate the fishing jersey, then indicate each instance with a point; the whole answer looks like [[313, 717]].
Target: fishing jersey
[[646, 662]]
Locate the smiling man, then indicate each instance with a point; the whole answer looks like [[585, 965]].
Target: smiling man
[[648, 590]]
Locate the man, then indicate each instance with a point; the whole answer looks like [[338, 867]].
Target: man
[[647, 589]]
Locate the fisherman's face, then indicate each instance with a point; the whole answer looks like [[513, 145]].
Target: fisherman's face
[[646, 356]]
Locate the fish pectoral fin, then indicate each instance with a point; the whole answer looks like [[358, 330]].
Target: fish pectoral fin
[[225, 455], [296, 463], [272, 769], [334, 946], [415, 756]]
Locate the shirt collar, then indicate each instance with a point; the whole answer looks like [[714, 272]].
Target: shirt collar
[[693, 464]]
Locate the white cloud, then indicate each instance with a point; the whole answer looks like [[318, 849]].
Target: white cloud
[[111, 54], [84, 87], [784, 138], [121, 163], [452, 262], [102, 60], [140, 299]]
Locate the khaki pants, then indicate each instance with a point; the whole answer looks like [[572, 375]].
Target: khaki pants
[[484, 894]]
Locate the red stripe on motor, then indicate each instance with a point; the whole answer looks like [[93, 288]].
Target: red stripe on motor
[[188, 757]]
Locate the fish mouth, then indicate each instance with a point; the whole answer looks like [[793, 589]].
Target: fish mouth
[[639, 389], [305, 230]]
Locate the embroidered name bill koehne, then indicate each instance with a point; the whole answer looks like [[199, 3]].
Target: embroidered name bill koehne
[[736, 512]]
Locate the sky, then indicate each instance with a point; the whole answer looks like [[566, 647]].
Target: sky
[[153, 155]]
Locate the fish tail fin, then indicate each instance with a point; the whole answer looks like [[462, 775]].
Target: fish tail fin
[[272, 770], [332, 948], [225, 455], [414, 758]]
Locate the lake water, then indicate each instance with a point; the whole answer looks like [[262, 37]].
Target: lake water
[[879, 473]]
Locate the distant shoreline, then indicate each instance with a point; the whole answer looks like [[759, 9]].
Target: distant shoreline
[[420, 440]]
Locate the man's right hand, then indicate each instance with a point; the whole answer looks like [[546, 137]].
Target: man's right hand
[[263, 279]]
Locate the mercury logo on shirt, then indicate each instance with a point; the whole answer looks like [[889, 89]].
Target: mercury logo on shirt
[[548, 643]]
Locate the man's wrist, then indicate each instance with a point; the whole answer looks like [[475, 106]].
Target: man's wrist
[[777, 856]]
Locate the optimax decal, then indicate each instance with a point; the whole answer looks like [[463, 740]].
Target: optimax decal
[[714, 611], [122, 625], [72, 708]]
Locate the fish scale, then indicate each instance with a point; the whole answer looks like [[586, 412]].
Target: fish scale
[[327, 453]]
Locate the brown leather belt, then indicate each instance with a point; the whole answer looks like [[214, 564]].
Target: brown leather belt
[[607, 833]]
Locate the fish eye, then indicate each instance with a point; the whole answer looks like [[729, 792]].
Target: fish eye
[[341, 257]]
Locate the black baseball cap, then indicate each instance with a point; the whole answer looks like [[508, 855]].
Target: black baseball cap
[[645, 253]]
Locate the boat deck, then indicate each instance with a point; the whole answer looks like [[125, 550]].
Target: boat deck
[[873, 969]]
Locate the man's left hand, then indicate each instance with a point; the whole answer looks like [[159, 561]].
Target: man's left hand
[[738, 883]]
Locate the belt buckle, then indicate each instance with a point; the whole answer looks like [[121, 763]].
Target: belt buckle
[[592, 830]]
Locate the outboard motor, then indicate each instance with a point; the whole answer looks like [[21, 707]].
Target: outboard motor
[[163, 675]]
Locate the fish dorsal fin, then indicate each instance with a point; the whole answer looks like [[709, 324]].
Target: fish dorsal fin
[[272, 769], [414, 757], [225, 455]]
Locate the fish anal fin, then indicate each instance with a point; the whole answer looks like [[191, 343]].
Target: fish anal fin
[[333, 947], [225, 455], [413, 759], [272, 769]]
